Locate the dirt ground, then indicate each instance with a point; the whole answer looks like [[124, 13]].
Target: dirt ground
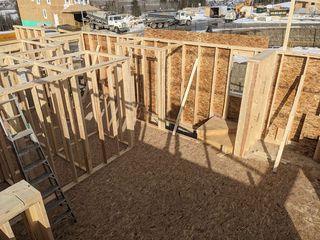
[[170, 187]]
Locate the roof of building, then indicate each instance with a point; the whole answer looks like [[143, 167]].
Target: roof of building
[[80, 7]]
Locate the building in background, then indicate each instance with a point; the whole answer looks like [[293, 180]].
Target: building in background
[[53, 12], [307, 7], [9, 15]]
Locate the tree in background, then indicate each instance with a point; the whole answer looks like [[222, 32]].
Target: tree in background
[[135, 11], [191, 3], [111, 6], [122, 10], [163, 4]]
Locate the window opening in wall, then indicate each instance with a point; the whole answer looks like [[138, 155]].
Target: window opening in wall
[[238, 74], [44, 13]]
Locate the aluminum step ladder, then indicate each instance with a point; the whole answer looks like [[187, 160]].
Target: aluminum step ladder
[[37, 170]]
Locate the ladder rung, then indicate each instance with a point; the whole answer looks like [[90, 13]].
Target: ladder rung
[[40, 179], [12, 118], [6, 101], [62, 217], [34, 164], [22, 134], [49, 191], [55, 203], [27, 149]]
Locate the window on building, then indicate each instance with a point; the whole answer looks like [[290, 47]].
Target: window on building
[[38, 2], [66, 1], [49, 1], [44, 13]]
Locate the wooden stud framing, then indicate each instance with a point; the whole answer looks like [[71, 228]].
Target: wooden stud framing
[[226, 97], [213, 84], [196, 98], [62, 87]]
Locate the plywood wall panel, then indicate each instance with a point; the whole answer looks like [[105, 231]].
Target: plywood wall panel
[[218, 38]]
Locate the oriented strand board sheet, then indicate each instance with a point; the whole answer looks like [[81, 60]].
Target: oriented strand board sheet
[[217, 38], [205, 82], [93, 43], [113, 41], [175, 83], [191, 56], [309, 103], [221, 81], [86, 41], [205, 75], [102, 40], [285, 94], [311, 127]]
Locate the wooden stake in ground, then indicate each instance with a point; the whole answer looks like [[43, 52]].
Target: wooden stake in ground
[[185, 96]]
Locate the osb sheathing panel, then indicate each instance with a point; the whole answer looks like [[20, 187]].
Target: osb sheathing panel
[[94, 43], [221, 81], [311, 123], [309, 100], [217, 38], [113, 42], [102, 40], [191, 56], [205, 82], [86, 41], [175, 83]]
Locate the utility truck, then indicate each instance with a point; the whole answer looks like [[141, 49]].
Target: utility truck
[[102, 20], [166, 19], [230, 16]]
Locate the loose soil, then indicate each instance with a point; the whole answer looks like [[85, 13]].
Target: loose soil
[[170, 187]]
